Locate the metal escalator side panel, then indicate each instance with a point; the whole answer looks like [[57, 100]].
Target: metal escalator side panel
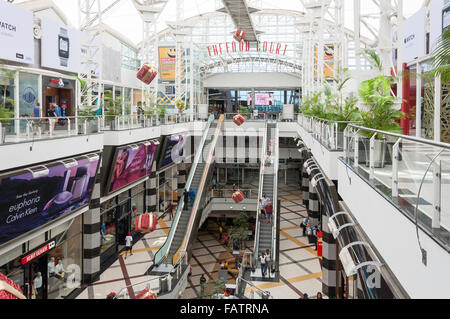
[[162, 254], [194, 211]]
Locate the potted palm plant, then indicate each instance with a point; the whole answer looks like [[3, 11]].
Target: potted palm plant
[[380, 113], [162, 111], [181, 106]]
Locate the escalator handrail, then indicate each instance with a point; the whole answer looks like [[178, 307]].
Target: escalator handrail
[[162, 254], [260, 193], [195, 206], [275, 195]]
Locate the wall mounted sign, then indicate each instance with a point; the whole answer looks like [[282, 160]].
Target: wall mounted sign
[[246, 46], [38, 253]]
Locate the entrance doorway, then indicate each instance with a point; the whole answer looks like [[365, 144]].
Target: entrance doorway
[[61, 97], [36, 279]]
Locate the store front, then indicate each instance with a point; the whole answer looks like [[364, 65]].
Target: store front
[[59, 91], [48, 269], [118, 217]]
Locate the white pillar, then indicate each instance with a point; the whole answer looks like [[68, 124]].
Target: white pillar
[[418, 100]]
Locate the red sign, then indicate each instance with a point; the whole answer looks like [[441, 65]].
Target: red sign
[[245, 46], [38, 253], [319, 244]]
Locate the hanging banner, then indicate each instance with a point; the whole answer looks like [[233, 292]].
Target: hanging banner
[[60, 46], [16, 33], [245, 46], [167, 63], [328, 61], [414, 36], [30, 200]]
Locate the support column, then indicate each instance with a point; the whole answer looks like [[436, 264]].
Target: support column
[[328, 260], [150, 191], [305, 187], [313, 206], [91, 235]]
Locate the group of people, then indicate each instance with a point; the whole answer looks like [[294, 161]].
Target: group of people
[[54, 111], [189, 198], [265, 259], [311, 231], [266, 209]]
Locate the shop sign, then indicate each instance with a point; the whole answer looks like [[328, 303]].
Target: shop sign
[[38, 252], [60, 82], [246, 46], [16, 29], [414, 37]]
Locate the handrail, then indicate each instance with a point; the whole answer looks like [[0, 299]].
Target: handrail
[[198, 198], [275, 197], [405, 137], [260, 191], [161, 254]]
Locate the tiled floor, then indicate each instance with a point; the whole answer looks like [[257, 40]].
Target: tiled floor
[[300, 270]]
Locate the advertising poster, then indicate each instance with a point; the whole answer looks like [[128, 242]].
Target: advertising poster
[[16, 29], [261, 99], [328, 60], [29, 202], [414, 36], [60, 46], [132, 163], [173, 151], [167, 63]]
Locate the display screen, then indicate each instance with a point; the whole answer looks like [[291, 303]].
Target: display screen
[[63, 44], [172, 151], [28, 202], [131, 164], [262, 99]]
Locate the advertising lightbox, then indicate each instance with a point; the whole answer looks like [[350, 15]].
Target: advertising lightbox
[[414, 36], [60, 46], [16, 34], [172, 151], [131, 163], [31, 198], [261, 99], [167, 63]]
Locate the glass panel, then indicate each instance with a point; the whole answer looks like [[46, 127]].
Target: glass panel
[[28, 93]]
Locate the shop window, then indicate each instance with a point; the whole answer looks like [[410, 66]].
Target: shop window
[[28, 93], [108, 230], [137, 208]]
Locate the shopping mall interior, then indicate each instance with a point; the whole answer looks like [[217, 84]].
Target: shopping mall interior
[[224, 149]]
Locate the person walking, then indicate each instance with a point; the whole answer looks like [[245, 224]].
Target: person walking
[[186, 199], [268, 260], [269, 211], [261, 209], [192, 196], [226, 239], [128, 245], [262, 260], [171, 209], [51, 114], [265, 200], [37, 114], [214, 183], [303, 225], [202, 284]]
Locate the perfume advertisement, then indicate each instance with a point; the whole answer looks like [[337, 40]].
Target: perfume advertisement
[[60, 46], [173, 150], [16, 29], [28, 201], [131, 164]]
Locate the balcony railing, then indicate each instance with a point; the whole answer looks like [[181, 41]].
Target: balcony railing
[[412, 173]]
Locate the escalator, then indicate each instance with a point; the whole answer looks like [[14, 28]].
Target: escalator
[[184, 228], [266, 235]]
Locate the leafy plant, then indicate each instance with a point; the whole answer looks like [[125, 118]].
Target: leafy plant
[[240, 229], [6, 76], [181, 106], [244, 110], [218, 287], [162, 110], [441, 58]]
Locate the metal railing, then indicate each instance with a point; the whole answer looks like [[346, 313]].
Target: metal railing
[[275, 199], [329, 133], [163, 251], [160, 285], [15, 130], [252, 292], [413, 173]]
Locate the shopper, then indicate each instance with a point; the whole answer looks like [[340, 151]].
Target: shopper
[[269, 210], [128, 245], [262, 260], [192, 196], [59, 270], [268, 260], [37, 114], [319, 295], [305, 296], [202, 284], [186, 199], [171, 209], [57, 110], [314, 230], [51, 114], [309, 233], [261, 209], [226, 239], [214, 183], [265, 200], [303, 225], [37, 285]]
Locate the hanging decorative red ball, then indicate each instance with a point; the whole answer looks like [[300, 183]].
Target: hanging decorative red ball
[[146, 294], [239, 35], [238, 119], [147, 73], [9, 289], [238, 197], [146, 223]]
